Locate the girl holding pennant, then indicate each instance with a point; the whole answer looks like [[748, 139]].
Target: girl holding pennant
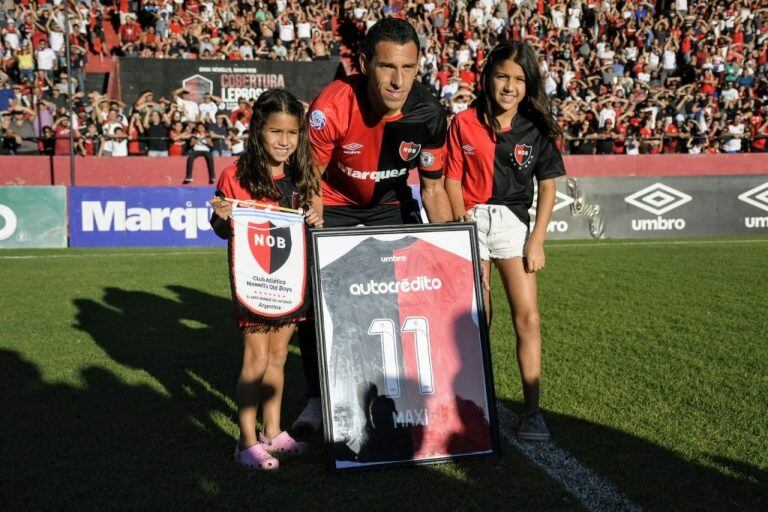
[[495, 151], [261, 206]]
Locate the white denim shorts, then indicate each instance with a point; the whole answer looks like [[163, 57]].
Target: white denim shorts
[[501, 235]]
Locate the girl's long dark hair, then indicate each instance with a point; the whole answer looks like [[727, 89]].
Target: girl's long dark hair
[[534, 107], [253, 170]]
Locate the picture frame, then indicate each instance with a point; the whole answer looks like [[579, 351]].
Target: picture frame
[[403, 345]]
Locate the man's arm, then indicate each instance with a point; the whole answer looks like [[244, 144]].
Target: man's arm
[[435, 200]]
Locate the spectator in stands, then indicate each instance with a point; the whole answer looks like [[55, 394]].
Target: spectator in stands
[[736, 129], [47, 142], [219, 132], [89, 143], [188, 108], [62, 130], [209, 108], [116, 143], [136, 144], [201, 143], [25, 62], [7, 96], [242, 108], [130, 31], [179, 135], [156, 133], [47, 61], [22, 128], [706, 61]]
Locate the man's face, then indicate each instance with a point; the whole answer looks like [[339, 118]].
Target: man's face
[[390, 73]]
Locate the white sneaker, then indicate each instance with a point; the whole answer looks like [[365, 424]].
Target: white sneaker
[[311, 418]]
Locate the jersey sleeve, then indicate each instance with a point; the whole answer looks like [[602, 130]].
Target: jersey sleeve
[[454, 162], [432, 154], [326, 119], [224, 183], [550, 162]]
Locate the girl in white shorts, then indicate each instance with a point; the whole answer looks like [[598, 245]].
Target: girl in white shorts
[[495, 150]]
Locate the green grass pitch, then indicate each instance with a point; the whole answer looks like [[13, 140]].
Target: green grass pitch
[[117, 372]]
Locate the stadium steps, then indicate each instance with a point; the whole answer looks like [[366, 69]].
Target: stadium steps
[[98, 64]]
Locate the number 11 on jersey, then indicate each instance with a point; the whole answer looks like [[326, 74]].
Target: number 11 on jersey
[[385, 329]]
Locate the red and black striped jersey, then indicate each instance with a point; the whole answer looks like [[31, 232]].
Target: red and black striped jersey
[[500, 171], [230, 186], [410, 349], [368, 157]]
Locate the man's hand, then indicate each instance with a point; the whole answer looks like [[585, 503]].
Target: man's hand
[[313, 218]]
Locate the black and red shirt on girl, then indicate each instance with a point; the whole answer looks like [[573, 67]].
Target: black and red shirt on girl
[[501, 170], [229, 185]]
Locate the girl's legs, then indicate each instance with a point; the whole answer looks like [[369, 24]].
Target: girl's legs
[[274, 377], [486, 272], [521, 293], [255, 362]]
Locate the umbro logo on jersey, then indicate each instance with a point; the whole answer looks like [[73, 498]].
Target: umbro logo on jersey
[[353, 148], [658, 199], [409, 150], [468, 149], [522, 154], [757, 196]]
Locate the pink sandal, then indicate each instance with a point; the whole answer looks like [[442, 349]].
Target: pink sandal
[[255, 457], [283, 443]]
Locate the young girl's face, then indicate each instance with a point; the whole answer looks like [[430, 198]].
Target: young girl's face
[[508, 85], [280, 136]]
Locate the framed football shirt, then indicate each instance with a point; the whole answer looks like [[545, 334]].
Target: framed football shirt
[[403, 345]]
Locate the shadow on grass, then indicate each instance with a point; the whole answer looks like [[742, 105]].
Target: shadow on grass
[[115, 444], [653, 476]]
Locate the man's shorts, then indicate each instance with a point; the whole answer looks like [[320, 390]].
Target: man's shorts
[[501, 235], [380, 215]]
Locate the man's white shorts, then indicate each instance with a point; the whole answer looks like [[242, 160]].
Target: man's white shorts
[[501, 234]]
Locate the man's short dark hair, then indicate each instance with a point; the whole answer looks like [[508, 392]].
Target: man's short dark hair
[[393, 30]]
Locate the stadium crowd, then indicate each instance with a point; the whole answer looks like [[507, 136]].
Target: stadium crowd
[[625, 77]]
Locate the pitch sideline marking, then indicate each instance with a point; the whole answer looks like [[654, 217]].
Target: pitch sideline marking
[[592, 491], [213, 250]]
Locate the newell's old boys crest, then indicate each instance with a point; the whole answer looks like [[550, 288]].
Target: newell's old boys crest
[[522, 154], [268, 261], [269, 245], [409, 150]]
